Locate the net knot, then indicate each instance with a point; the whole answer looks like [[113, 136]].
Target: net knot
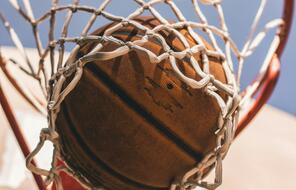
[[171, 52], [212, 77], [52, 44], [167, 1], [211, 2], [125, 22], [61, 41], [98, 12], [60, 71], [50, 105], [53, 10], [69, 69], [189, 52], [209, 86], [218, 149], [49, 178], [149, 33], [129, 44], [74, 8], [34, 23], [49, 134], [146, 6]]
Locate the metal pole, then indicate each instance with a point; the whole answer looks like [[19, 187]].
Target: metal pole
[[18, 134]]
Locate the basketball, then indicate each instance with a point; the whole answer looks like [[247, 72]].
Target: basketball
[[130, 124]]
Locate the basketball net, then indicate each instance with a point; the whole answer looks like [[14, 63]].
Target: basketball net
[[52, 75]]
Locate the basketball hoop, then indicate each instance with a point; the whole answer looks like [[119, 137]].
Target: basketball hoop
[[52, 76]]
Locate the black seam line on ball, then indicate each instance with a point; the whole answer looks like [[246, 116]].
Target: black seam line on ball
[[144, 113], [102, 164]]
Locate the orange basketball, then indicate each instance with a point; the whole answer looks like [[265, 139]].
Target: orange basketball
[[130, 124]]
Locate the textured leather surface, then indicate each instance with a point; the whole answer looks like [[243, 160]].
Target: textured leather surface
[[131, 124]]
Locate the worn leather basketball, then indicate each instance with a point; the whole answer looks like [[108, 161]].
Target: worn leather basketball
[[131, 124]]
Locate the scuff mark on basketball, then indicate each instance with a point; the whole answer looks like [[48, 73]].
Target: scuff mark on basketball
[[161, 96], [171, 74]]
